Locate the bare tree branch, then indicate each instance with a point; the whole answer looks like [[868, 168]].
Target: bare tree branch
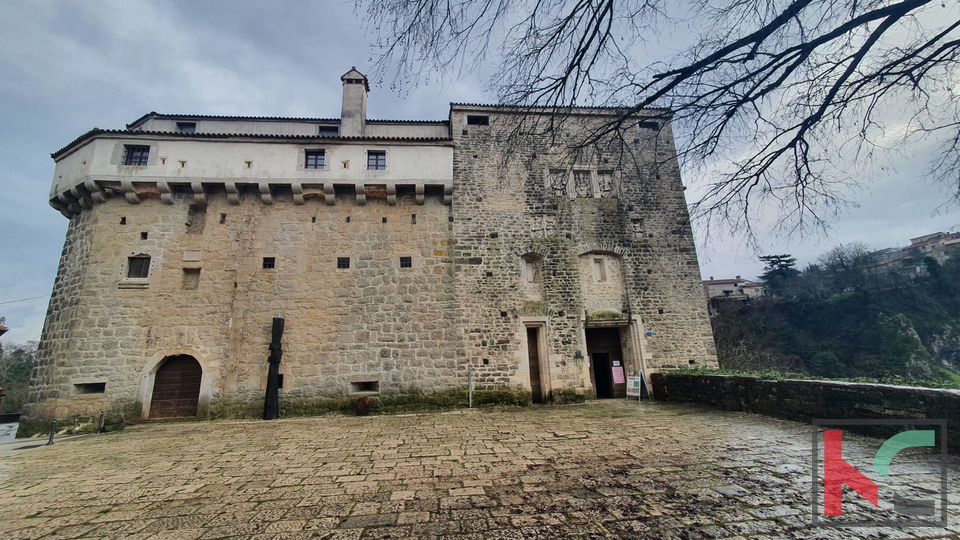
[[774, 97]]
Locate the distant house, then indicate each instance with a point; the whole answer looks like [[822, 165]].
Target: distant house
[[3, 329], [739, 289], [939, 246]]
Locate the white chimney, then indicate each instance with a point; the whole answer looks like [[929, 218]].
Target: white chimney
[[353, 116]]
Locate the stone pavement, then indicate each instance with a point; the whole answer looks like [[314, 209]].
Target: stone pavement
[[608, 469]]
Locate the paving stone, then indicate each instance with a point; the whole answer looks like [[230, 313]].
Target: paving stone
[[660, 471]]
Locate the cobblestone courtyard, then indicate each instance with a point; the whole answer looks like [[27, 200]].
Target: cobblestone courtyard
[[602, 470]]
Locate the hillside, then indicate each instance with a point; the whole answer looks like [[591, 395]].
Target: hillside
[[845, 321]]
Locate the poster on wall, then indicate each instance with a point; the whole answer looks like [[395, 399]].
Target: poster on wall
[[618, 377]]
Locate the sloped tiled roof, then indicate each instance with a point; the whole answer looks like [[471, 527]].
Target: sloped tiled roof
[[253, 136], [154, 114]]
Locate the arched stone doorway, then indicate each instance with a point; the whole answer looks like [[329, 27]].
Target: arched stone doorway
[[176, 387]]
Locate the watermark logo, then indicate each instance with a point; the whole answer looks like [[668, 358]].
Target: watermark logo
[[903, 483]]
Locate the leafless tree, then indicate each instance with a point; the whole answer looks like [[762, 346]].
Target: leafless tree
[[775, 98], [848, 266]]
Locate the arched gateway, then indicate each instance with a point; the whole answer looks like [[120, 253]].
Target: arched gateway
[[176, 388]]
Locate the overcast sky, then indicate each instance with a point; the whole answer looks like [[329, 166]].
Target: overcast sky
[[70, 66]]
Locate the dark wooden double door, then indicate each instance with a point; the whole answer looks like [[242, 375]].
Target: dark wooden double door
[[176, 388]]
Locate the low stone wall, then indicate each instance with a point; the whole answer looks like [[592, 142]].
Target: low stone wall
[[807, 400]]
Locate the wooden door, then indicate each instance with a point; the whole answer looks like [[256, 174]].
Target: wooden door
[[603, 346], [176, 388], [533, 350]]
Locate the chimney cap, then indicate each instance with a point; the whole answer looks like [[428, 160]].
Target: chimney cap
[[739, 278], [354, 77]]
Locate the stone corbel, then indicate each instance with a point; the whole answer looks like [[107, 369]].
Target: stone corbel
[[60, 207], [265, 194], [96, 192], [329, 196], [129, 192], [199, 196], [233, 194], [80, 194], [165, 195], [420, 194], [392, 195], [448, 194], [73, 209], [297, 189], [361, 190]]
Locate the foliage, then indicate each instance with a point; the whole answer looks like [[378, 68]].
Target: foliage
[[16, 365], [782, 97], [844, 318], [779, 271]]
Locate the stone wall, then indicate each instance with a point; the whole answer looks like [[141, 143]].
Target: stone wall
[[807, 400], [517, 195], [495, 200], [374, 321]]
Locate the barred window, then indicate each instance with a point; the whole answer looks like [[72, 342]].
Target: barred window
[[376, 160], [136, 156], [343, 263], [406, 262], [138, 267], [316, 159]]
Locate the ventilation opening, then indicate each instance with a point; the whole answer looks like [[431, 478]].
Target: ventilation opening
[[365, 387], [478, 120], [649, 125], [90, 388]]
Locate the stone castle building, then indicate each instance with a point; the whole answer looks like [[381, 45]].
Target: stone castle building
[[398, 253]]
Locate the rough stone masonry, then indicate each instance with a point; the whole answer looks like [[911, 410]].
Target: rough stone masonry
[[398, 252]]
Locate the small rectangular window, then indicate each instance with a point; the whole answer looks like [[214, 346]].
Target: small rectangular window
[[269, 262], [187, 127], [478, 120], [599, 271], [648, 125], [365, 387], [90, 388], [138, 267], [135, 155], [343, 263], [532, 271], [316, 159], [329, 131], [406, 262], [376, 160]]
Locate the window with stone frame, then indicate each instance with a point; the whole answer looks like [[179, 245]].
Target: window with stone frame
[[138, 267], [315, 159], [135, 155], [599, 271], [531, 269], [376, 160]]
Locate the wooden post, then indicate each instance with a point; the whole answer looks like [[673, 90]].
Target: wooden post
[[271, 404]]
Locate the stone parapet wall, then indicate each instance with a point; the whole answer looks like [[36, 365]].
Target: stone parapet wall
[[808, 400]]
